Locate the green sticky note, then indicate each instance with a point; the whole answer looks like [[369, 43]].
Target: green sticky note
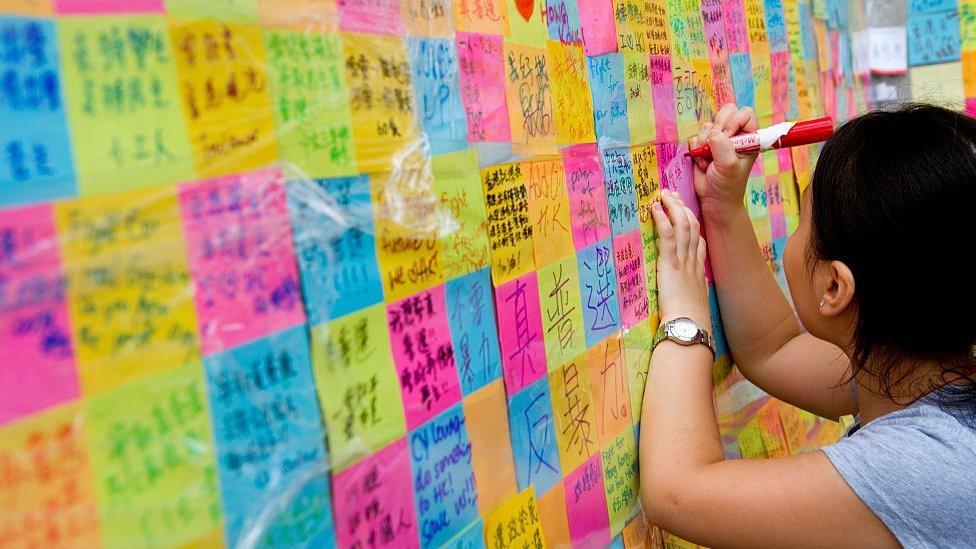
[[153, 459], [126, 119], [562, 314], [357, 385], [310, 98], [620, 480], [227, 11], [464, 237]]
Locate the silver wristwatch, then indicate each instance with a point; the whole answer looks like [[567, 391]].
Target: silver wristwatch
[[684, 331]]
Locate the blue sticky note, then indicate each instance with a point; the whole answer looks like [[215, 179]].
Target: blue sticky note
[[928, 6], [471, 313], [779, 247], [443, 481], [533, 431], [472, 537], [745, 88], [563, 19], [35, 151], [332, 222], [809, 39], [598, 289], [718, 331], [270, 443], [616, 543], [609, 99], [933, 38], [434, 64], [618, 176], [775, 25]]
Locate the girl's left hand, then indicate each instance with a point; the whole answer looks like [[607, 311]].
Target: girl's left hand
[[681, 286]]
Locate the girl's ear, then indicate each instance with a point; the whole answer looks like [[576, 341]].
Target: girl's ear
[[838, 290]]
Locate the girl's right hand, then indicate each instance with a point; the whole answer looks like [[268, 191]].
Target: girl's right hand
[[721, 182]]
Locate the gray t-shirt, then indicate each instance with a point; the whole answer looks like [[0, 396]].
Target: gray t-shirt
[[916, 469]]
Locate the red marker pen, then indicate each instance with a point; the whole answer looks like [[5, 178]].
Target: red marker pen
[[779, 136]]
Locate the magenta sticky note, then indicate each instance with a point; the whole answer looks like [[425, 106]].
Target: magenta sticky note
[[371, 16], [718, 52], [628, 256], [735, 26], [971, 107], [239, 242], [520, 332], [662, 90], [374, 501], [586, 505], [482, 81], [423, 354], [780, 76], [108, 6], [679, 176], [598, 26], [587, 194], [37, 366]]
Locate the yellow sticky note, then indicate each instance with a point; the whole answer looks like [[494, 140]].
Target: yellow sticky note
[[526, 22], [408, 222], [545, 185], [154, 460], [465, 236], [572, 407], [300, 15], [796, 435], [562, 314], [380, 98], [48, 497], [509, 225], [516, 523], [572, 103], [640, 102], [126, 123], [939, 84], [226, 101], [311, 103], [647, 181], [527, 92], [751, 442], [357, 385], [129, 291]]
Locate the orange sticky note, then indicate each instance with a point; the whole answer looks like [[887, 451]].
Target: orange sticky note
[[527, 91], [491, 449], [552, 231], [611, 395], [572, 408], [300, 15], [484, 16]]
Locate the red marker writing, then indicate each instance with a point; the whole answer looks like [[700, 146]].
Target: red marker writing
[[778, 136]]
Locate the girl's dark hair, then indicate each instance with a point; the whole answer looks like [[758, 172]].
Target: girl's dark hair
[[894, 198]]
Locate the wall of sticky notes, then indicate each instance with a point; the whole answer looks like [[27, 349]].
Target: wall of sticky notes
[[382, 272]]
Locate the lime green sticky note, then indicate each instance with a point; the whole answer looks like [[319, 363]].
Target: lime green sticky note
[[620, 479], [751, 442], [562, 313], [525, 23], [124, 109], [457, 185], [227, 11], [357, 385], [310, 99], [153, 460]]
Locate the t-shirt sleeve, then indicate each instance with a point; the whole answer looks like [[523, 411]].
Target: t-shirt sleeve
[[915, 472]]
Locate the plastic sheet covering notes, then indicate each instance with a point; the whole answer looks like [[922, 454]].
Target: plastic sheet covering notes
[[372, 273]]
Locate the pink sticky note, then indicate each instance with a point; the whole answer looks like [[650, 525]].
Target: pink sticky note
[[971, 107], [586, 505], [780, 82], [735, 26], [375, 501], [423, 354], [482, 81], [370, 16], [785, 160], [662, 89], [679, 176], [108, 6], [239, 242], [520, 332], [718, 52], [628, 255], [587, 194], [777, 219], [598, 26], [37, 367]]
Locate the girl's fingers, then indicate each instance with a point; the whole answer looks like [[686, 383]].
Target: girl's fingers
[[744, 120], [723, 153], [680, 222], [723, 116], [694, 232], [702, 253], [665, 231]]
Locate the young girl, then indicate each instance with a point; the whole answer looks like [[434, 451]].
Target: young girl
[[879, 275]]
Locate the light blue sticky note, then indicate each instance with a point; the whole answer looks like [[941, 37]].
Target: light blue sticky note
[[332, 224], [443, 481], [598, 289], [472, 537], [718, 331], [928, 6], [779, 247], [616, 543], [609, 99], [35, 150], [776, 26], [618, 176], [434, 64], [933, 38], [563, 20], [533, 431], [270, 441], [809, 39], [745, 88], [471, 313]]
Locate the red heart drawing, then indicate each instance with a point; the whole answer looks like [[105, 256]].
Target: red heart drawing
[[525, 7]]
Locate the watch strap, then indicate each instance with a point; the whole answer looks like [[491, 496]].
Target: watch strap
[[703, 337]]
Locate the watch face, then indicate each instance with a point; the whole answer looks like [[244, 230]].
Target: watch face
[[684, 329]]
